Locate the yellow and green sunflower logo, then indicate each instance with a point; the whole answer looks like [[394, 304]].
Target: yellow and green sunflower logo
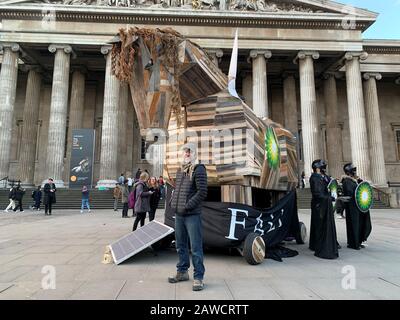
[[364, 196], [333, 188], [272, 149]]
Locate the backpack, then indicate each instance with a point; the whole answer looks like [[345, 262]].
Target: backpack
[[132, 198]]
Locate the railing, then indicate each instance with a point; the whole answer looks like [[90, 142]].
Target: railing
[[393, 184], [382, 196], [4, 182]]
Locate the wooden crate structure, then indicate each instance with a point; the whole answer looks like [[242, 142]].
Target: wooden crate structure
[[175, 85], [230, 141]]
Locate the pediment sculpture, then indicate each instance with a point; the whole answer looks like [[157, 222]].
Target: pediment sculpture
[[232, 5]]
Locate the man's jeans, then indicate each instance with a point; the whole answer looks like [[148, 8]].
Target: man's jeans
[[85, 203], [189, 228]]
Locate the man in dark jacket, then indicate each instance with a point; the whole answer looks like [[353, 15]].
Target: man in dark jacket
[[37, 197], [190, 191], [49, 196], [323, 239], [19, 194]]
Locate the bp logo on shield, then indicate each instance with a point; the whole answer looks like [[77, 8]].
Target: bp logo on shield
[[272, 149], [333, 188], [364, 196]]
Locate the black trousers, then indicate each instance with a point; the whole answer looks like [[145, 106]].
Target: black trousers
[[125, 210], [48, 207], [141, 216], [152, 214], [19, 205]]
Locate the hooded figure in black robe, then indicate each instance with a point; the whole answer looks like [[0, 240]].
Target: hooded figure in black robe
[[358, 223], [323, 239]]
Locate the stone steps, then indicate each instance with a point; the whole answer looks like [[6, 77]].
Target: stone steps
[[304, 200], [71, 199]]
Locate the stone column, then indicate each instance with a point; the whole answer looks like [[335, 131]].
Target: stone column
[[247, 88], [30, 130], [122, 127], [374, 128], [260, 87], [8, 88], [357, 119], [76, 108], [216, 55], [58, 113], [290, 103], [309, 112], [109, 136], [333, 132]]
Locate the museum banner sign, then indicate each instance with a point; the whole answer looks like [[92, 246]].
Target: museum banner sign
[[82, 155]]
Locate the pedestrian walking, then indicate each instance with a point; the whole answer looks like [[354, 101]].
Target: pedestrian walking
[[121, 179], [137, 175], [154, 198], [130, 184], [116, 195], [190, 192], [37, 198], [11, 197], [49, 196], [19, 194], [161, 184], [124, 198], [142, 200], [85, 199]]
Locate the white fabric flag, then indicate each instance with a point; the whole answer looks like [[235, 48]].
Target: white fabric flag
[[233, 68]]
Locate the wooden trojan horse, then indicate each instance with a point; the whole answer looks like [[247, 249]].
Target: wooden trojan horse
[[176, 86]]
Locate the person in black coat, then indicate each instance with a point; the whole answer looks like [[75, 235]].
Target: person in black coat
[[37, 197], [154, 198], [358, 224], [323, 239], [19, 194], [49, 196]]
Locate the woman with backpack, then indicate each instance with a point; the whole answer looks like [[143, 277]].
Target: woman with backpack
[[142, 199], [154, 198]]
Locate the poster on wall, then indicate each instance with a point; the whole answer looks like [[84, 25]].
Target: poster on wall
[[82, 155]]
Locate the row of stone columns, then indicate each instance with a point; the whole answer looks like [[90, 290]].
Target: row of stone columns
[[8, 85], [363, 109], [112, 116], [365, 132]]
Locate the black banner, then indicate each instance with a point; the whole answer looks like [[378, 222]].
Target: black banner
[[226, 225], [82, 154]]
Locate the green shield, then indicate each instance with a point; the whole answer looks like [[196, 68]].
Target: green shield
[[333, 188], [364, 196], [272, 149]]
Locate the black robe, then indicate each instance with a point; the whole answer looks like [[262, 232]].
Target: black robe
[[358, 224], [323, 238]]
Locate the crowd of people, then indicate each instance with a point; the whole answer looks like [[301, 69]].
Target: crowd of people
[[140, 193], [17, 192]]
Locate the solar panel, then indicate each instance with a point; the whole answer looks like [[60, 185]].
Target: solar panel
[[138, 240]]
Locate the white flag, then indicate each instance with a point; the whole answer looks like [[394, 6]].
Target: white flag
[[233, 68]]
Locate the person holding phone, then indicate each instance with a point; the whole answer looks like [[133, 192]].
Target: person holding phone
[[49, 196], [142, 200]]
